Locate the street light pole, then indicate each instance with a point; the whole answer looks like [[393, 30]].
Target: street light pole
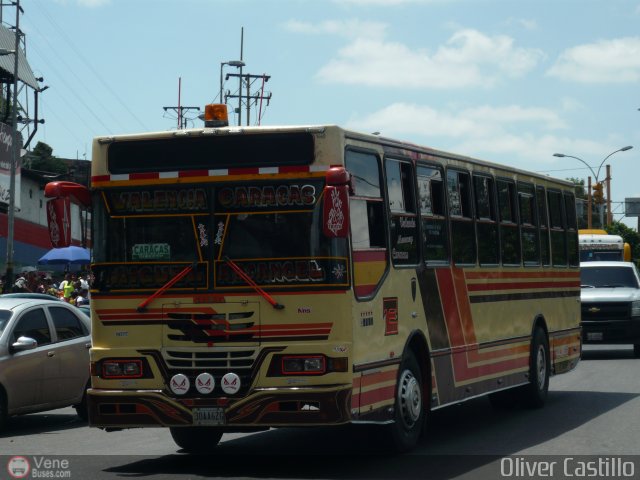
[[595, 175], [14, 157], [232, 63]]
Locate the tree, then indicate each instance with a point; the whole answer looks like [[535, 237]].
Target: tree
[[629, 236], [579, 187], [42, 159]]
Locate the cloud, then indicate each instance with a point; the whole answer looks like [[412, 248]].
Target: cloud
[[486, 132], [606, 61], [468, 58], [343, 28], [402, 119]]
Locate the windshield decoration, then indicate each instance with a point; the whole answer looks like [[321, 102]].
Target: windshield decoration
[[202, 232], [158, 201], [270, 196], [303, 272], [219, 234]]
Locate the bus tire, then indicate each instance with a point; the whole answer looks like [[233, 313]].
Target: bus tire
[[535, 393], [409, 411], [196, 439]]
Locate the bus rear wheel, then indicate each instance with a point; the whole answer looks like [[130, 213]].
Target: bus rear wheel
[[409, 406], [196, 439], [535, 393]]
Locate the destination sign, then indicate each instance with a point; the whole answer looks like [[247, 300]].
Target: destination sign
[[266, 196], [159, 200]]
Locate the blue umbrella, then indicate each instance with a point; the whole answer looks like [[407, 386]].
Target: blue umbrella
[[67, 255]]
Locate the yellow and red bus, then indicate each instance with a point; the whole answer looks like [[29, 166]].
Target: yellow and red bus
[[258, 277]]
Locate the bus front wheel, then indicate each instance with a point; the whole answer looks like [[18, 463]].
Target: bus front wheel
[[409, 406], [196, 439]]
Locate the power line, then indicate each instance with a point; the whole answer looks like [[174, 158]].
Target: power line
[[89, 66]]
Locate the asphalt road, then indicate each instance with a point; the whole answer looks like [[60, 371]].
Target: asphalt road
[[591, 411]]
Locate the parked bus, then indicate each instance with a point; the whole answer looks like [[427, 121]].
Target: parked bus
[[248, 278], [598, 245]]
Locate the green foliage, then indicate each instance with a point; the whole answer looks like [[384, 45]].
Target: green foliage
[[580, 190], [42, 159], [629, 235]]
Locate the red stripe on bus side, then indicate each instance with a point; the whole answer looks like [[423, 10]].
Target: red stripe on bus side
[[483, 287], [532, 274], [377, 395]]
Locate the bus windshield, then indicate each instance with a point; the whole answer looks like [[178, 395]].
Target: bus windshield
[[276, 239]]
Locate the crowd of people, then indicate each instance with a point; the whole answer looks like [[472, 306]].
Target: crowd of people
[[73, 288]]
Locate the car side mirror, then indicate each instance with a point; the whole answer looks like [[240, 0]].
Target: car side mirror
[[24, 343]]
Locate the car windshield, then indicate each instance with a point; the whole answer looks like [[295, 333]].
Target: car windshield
[[608, 277], [5, 315]]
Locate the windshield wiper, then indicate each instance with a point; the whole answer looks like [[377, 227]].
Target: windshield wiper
[[249, 281], [142, 307]]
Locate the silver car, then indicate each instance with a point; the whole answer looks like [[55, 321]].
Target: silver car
[[44, 356]]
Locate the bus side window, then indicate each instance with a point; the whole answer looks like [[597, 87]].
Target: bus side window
[[404, 228], [486, 223], [368, 231], [463, 235], [435, 243], [367, 216], [509, 234], [543, 221], [528, 224], [557, 224], [572, 229]]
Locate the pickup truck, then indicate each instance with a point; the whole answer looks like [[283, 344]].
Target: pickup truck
[[610, 298]]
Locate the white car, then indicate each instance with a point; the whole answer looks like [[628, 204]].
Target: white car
[[610, 297], [44, 356]]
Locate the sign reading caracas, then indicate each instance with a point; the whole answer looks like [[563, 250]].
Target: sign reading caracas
[[151, 251], [266, 196]]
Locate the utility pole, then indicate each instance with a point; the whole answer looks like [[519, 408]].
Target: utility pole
[[589, 209], [180, 110], [14, 158], [608, 180], [258, 95]]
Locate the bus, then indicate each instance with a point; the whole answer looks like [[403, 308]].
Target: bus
[[262, 277], [598, 245]]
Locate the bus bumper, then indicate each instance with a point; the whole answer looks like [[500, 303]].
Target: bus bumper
[[273, 407]]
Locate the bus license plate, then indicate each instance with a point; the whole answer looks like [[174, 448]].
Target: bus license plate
[[208, 416], [595, 336]]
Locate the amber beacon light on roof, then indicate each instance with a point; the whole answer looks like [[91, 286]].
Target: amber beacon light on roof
[[215, 115]]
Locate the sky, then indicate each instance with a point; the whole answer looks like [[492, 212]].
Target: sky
[[509, 81]]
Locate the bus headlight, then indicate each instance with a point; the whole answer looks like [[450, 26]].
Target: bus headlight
[[122, 368], [314, 364]]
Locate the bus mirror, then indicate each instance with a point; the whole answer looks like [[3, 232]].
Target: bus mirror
[[78, 194], [335, 210], [59, 221]]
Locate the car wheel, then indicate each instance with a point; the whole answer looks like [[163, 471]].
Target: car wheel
[[535, 393], [196, 439], [409, 409], [82, 409], [3, 409]]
